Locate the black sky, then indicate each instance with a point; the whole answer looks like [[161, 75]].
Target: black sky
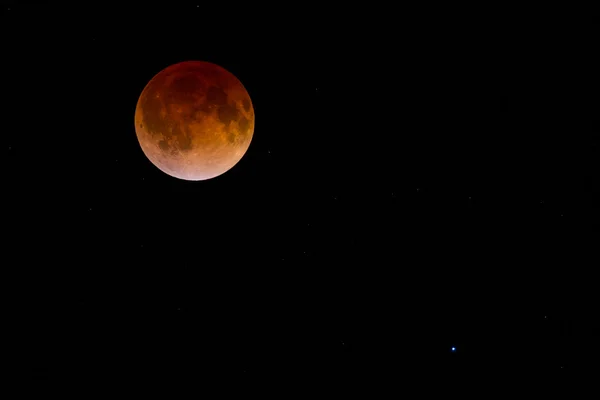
[[417, 180]]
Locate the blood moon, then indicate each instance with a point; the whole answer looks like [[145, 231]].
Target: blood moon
[[194, 120]]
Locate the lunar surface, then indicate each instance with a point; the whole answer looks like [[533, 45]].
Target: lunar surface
[[194, 120]]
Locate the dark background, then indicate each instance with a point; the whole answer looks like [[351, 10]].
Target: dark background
[[417, 180]]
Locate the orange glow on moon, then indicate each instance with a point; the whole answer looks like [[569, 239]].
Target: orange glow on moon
[[194, 120]]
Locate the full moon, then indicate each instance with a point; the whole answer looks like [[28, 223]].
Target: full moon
[[194, 120]]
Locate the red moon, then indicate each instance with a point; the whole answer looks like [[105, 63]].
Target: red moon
[[194, 120]]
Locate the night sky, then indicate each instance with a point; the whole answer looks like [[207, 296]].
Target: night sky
[[418, 181]]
